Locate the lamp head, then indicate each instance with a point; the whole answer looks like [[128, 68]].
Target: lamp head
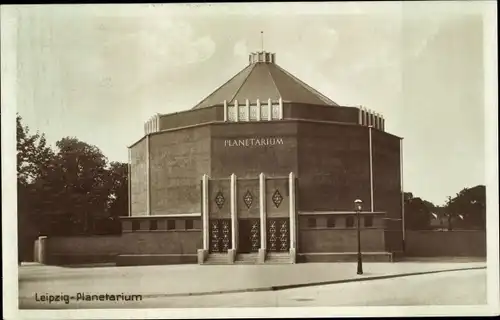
[[358, 204]]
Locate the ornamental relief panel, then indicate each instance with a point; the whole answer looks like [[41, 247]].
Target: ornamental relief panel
[[248, 202], [219, 198]]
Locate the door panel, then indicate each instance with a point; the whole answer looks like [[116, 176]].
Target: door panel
[[220, 235], [278, 235], [249, 235]]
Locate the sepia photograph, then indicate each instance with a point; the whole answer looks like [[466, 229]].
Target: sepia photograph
[[250, 159]]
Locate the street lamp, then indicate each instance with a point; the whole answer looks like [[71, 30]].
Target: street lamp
[[358, 206]]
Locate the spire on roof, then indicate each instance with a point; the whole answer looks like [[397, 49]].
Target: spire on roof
[[262, 41]]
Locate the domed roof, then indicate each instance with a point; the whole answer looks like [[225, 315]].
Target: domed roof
[[263, 79]]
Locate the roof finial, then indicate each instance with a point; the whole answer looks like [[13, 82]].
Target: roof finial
[[262, 40]]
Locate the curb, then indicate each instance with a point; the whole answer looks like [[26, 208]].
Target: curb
[[301, 285]]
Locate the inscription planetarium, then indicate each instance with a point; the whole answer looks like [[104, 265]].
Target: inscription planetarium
[[253, 142]]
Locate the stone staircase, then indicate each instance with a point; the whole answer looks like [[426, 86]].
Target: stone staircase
[[246, 258], [278, 258], [217, 258]]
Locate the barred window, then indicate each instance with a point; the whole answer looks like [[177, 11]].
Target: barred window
[[170, 224], [153, 225], [349, 222], [330, 222], [368, 221], [136, 225], [311, 222]]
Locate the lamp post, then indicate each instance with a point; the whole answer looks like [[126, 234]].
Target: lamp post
[[358, 205]]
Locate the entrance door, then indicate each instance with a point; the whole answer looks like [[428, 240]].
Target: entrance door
[[220, 235], [249, 235], [278, 234]]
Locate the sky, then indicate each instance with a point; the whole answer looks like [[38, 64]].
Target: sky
[[97, 72]]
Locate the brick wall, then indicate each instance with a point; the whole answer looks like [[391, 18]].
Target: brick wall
[[178, 161], [250, 161], [445, 243], [320, 112], [191, 117], [162, 242], [99, 249], [138, 178], [324, 240], [386, 174], [333, 166]]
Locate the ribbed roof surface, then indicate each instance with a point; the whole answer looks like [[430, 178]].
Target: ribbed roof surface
[[263, 79]]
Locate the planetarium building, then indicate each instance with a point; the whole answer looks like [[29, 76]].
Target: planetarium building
[[263, 170]]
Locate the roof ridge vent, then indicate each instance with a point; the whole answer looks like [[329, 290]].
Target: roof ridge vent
[[261, 56]]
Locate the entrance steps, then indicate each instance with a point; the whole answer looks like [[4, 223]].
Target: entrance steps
[[278, 258], [217, 258], [246, 258]]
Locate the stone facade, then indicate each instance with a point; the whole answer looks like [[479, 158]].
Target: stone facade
[[318, 155]]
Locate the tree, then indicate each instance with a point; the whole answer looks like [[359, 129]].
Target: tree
[[33, 156], [470, 205], [118, 198], [75, 188], [417, 212]]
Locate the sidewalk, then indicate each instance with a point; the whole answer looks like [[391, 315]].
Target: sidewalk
[[184, 280]]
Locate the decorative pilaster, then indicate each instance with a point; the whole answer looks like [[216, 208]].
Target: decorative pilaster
[[129, 174], [263, 217], [204, 211], [360, 115], [280, 101], [402, 189], [225, 110], [270, 109], [291, 186], [258, 109], [247, 105], [365, 116], [234, 220], [383, 124], [148, 175], [237, 109], [203, 253], [371, 167]]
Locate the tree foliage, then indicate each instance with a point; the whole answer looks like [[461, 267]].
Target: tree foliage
[[418, 212], [467, 210], [470, 205], [68, 191]]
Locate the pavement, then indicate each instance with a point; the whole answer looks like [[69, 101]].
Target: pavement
[[172, 281], [459, 288]]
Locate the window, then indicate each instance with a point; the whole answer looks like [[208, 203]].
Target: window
[[170, 224], [136, 225], [311, 222], [153, 225], [349, 222], [368, 221], [330, 222], [189, 224]]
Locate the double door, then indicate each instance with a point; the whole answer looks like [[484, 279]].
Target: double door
[[278, 234], [249, 235], [220, 235]]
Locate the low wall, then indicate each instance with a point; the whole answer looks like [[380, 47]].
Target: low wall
[[335, 240], [75, 250], [129, 248], [445, 243]]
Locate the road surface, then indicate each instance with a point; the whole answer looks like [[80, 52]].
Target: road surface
[[466, 287]]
